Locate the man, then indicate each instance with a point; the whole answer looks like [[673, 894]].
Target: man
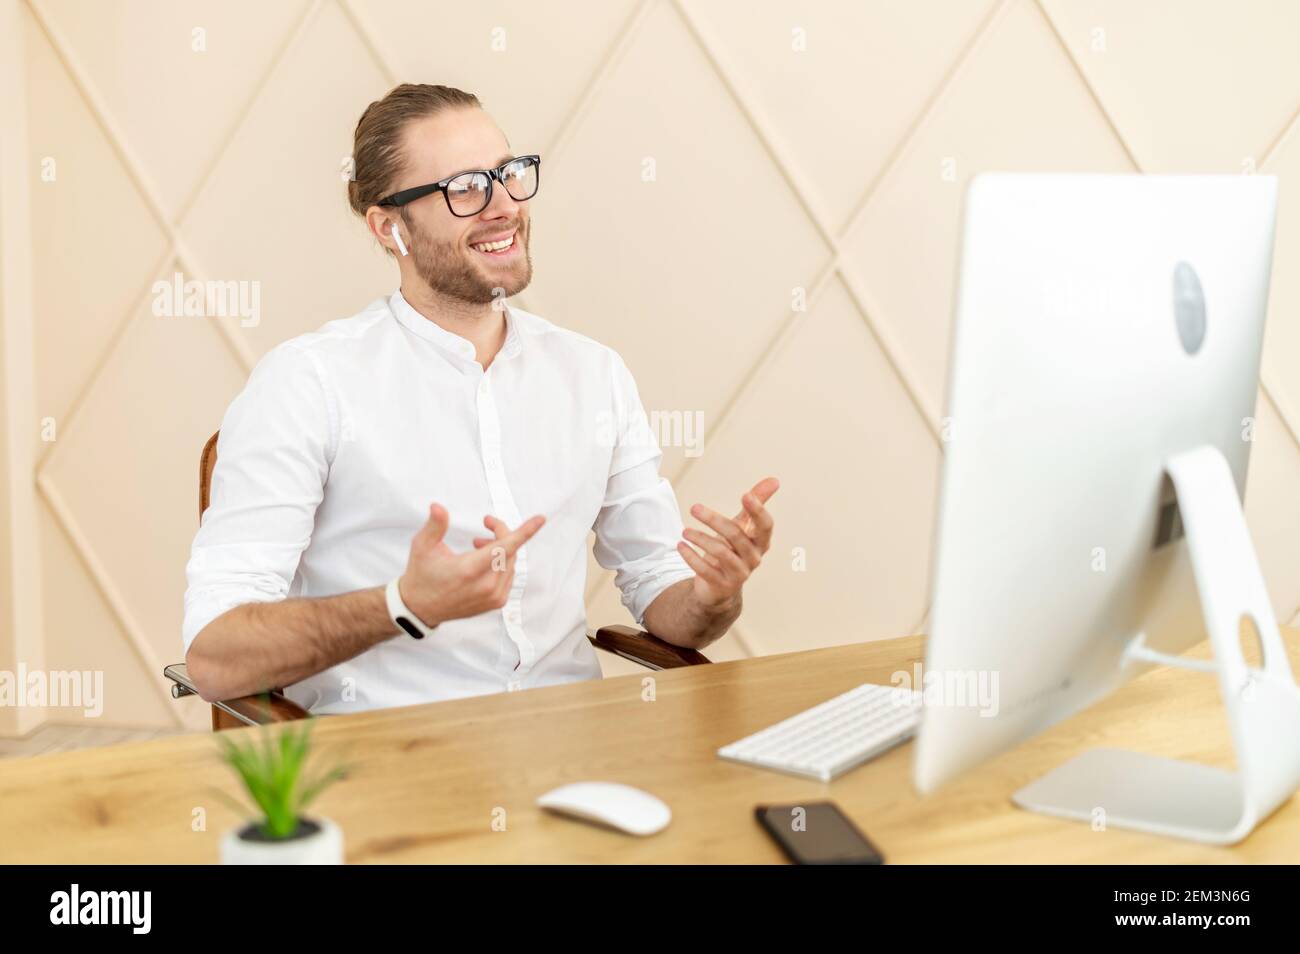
[[342, 555]]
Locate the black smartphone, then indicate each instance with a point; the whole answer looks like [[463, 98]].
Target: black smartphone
[[817, 833]]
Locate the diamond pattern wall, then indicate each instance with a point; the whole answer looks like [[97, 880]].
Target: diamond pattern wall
[[756, 203]]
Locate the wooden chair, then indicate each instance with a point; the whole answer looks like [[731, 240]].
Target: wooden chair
[[627, 641]]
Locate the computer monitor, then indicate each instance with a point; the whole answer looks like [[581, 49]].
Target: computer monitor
[[1101, 397]]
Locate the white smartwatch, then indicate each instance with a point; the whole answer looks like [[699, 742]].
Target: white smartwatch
[[402, 616]]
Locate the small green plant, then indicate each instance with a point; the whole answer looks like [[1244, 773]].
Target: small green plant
[[272, 770]]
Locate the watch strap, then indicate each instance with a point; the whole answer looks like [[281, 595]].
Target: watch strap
[[401, 615]]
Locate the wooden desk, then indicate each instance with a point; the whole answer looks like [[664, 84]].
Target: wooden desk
[[428, 779]]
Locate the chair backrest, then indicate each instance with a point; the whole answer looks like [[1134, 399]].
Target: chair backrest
[[207, 463]]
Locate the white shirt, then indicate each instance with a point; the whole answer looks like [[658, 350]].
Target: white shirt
[[330, 456]]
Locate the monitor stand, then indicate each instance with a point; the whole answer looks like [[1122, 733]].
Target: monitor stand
[[1183, 799]]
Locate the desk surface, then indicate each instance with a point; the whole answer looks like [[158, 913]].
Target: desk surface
[[428, 781]]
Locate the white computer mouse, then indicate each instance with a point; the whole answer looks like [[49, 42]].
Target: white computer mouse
[[608, 803]]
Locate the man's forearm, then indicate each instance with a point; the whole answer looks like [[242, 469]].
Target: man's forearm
[[677, 617], [261, 646]]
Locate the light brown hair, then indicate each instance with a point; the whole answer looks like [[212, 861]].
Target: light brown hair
[[377, 158]]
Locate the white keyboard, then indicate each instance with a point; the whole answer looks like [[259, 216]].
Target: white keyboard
[[833, 737]]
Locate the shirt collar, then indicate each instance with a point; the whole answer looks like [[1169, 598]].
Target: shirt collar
[[449, 342]]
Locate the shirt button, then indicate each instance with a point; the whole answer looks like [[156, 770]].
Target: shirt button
[[512, 617]]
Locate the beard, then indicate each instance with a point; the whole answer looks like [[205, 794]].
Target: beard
[[449, 269]]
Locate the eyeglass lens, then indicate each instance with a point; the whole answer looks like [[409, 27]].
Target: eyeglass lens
[[468, 193]]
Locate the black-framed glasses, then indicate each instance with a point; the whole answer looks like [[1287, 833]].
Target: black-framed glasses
[[468, 193]]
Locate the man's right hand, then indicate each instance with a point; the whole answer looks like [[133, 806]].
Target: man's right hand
[[440, 584]]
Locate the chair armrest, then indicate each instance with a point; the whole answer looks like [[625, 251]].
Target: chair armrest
[[265, 709], [645, 648]]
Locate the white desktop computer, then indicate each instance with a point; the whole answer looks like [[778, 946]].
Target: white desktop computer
[[1102, 390], [1105, 364]]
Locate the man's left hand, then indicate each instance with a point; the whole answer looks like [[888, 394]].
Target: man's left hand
[[733, 551]]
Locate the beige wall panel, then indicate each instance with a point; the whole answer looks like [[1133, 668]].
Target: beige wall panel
[[876, 126], [1273, 507], [498, 49], [687, 276], [94, 242], [1192, 85], [275, 209], [22, 629], [904, 247], [83, 634], [176, 106], [858, 470], [127, 470], [1282, 340], [841, 93]]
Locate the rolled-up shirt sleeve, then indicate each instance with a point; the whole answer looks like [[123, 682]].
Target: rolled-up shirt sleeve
[[272, 461], [639, 522]]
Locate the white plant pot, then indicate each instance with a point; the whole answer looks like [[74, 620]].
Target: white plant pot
[[321, 847]]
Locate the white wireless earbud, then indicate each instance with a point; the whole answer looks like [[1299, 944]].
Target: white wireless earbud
[[398, 239]]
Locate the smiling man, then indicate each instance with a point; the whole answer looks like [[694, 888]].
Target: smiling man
[[366, 543]]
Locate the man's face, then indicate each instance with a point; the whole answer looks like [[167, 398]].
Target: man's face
[[448, 251]]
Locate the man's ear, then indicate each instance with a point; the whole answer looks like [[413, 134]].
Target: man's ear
[[384, 227]]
